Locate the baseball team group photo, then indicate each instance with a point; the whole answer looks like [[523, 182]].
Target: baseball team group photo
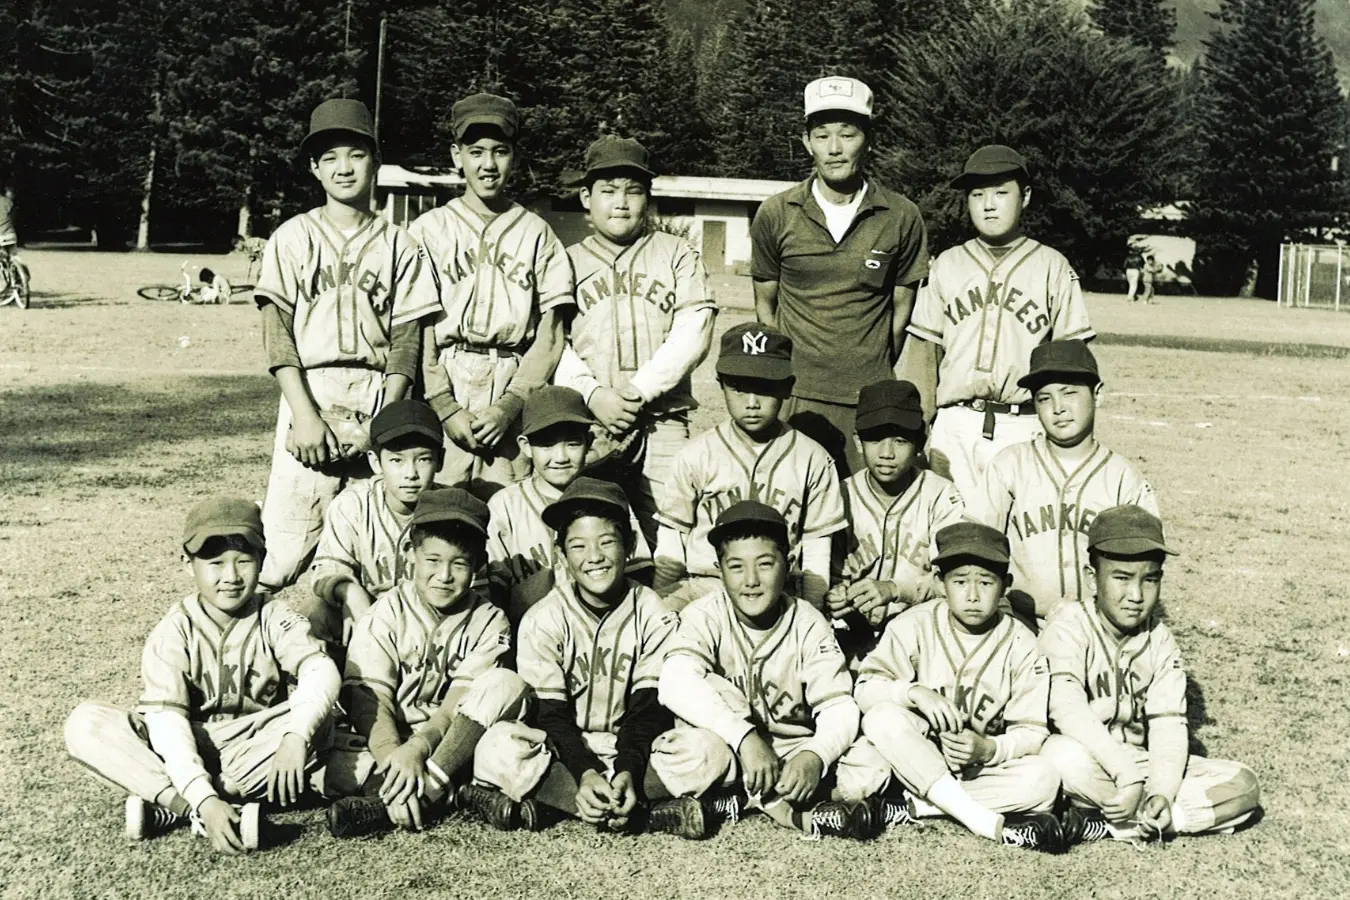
[[865, 479]]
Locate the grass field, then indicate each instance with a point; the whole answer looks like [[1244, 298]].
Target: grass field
[[117, 413]]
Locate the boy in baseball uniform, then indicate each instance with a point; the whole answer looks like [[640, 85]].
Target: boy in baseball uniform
[[643, 322], [760, 670], [216, 723], [954, 701], [1118, 701], [503, 281], [364, 549], [592, 651], [523, 551], [342, 294], [422, 682], [753, 455], [1045, 493], [895, 506], [985, 305]]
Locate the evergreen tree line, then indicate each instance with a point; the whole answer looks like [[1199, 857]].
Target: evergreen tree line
[[162, 120]]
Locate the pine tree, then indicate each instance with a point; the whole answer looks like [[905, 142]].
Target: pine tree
[[1271, 125], [1151, 24]]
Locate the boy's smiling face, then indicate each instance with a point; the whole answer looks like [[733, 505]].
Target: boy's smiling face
[[346, 169], [595, 549], [408, 470], [888, 453], [225, 575], [487, 159], [442, 571], [558, 452], [754, 572]]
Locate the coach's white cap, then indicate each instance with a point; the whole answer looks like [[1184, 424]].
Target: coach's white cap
[[838, 93]]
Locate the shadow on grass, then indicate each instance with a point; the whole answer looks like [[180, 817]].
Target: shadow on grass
[[52, 300], [1227, 345], [49, 429], [1197, 714]]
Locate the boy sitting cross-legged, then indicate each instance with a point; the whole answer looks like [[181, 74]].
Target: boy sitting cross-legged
[[422, 683], [762, 672], [592, 652], [215, 723], [954, 700]]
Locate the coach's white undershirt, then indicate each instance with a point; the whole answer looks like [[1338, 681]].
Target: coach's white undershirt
[[838, 216]]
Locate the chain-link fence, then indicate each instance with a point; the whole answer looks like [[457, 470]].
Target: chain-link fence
[[1315, 276]]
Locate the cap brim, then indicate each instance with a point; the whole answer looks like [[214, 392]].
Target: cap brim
[[1135, 546], [394, 434], [561, 512], [903, 419], [979, 554], [1033, 380], [252, 535], [451, 516], [965, 179], [564, 418], [755, 367], [508, 128], [314, 136]]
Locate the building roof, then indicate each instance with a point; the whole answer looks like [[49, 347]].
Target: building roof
[[690, 186]]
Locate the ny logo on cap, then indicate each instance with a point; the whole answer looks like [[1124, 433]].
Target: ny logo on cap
[[753, 344], [836, 87]]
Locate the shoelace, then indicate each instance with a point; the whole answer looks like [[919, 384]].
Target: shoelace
[[894, 812], [728, 807], [1095, 830], [158, 818], [1021, 836], [832, 818]]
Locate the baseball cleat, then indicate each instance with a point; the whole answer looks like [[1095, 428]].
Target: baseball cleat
[[684, 817], [490, 805], [529, 815], [1033, 831], [357, 816], [1083, 826], [894, 811], [148, 819], [725, 806], [838, 819]]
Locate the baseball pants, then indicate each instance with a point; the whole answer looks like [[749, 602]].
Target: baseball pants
[[1215, 794], [114, 745], [831, 425], [665, 436], [958, 438], [292, 512], [478, 380], [498, 695], [903, 742]]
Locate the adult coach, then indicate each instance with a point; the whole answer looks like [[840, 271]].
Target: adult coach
[[836, 261]]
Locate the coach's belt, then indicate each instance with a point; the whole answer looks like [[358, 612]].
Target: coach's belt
[[482, 350], [991, 408]]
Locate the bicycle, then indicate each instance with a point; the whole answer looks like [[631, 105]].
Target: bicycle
[[16, 280], [212, 288]]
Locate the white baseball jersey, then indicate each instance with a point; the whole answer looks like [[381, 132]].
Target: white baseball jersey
[[626, 303], [595, 661], [1129, 682], [988, 313], [791, 473], [209, 674], [494, 278], [1046, 512], [997, 680], [345, 292], [891, 538], [363, 540], [410, 654], [789, 674]]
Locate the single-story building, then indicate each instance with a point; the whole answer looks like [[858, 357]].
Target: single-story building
[[713, 213]]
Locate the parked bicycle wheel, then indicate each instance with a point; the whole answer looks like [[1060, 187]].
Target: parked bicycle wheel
[[161, 292], [22, 284]]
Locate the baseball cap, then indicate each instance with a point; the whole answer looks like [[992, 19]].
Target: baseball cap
[[1072, 358], [338, 114], [613, 153], [752, 350], [551, 405], [838, 92], [991, 159], [737, 515], [451, 505], [973, 541], [889, 402], [404, 417], [222, 517], [484, 109], [586, 492], [1127, 530]]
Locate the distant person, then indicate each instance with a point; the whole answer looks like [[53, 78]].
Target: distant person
[[1152, 269], [1134, 268], [9, 236]]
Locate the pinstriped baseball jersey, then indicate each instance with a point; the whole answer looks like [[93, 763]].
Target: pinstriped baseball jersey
[[626, 303], [791, 473], [988, 313], [520, 544], [363, 539], [595, 660], [891, 537], [495, 278], [998, 680], [410, 654], [1129, 681], [789, 674], [210, 674], [1046, 510], [345, 292]]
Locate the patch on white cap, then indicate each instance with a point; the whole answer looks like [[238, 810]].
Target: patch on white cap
[[838, 93]]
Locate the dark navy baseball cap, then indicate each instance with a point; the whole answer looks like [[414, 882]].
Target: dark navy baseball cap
[[1061, 360], [586, 493], [752, 350], [988, 161], [551, 405], [451, 504], [1127, 530], [889, 403], [402, 418], [484, 109], [223, 517], [761, 516], [973, 541], [338, 115]]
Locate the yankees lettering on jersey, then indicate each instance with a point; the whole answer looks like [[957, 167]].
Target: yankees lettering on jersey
[[989, 312], [1128, 681], [791, 473], [1046, 511], [363, 540], [209, 673], [891, 537], [410, 652], [594, 660], [788, 674], [494, 278], [344, 292]]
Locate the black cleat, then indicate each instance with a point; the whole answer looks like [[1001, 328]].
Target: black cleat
[[492, 806], [144, 820], [358, 816], [1033, 831], [684, 817], [1083, 826], [838, 819]]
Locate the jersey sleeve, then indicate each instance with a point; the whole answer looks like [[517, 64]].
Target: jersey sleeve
[[679, 499], [697, 633], [165, 670], [1069, 315], [492, 638], [824, 510], [658, 626], [1141, 493], [335, 560], [825, 676], [553, 272], [288, 634], [948, 508], [539, 656], [993, 500], [891, 667], [765, 250], [372, 657], [1166, 697], [1064, 643], [415, 292], [928, 320], [280, 272], [1025, 718], [691, 279]]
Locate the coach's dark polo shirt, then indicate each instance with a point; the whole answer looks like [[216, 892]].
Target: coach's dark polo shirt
[[835, 300]]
